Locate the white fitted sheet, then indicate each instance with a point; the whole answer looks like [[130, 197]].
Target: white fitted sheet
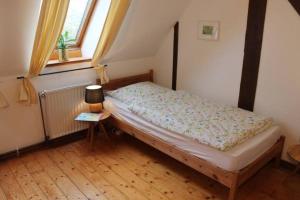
[[233, 160]]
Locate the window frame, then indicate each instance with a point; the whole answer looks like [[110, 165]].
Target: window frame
[[84, 23], [75, 49]]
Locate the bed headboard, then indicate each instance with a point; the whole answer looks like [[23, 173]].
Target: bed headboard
[[121, 82]]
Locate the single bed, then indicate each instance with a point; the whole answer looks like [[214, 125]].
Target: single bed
[[233, 160], [231, 168]]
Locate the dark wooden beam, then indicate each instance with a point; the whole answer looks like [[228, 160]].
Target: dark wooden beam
[[296, 5], [252, 53], [175, 56]]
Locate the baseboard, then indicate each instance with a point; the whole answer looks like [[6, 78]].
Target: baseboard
[[67, 139], [24, 150], [43, 145]]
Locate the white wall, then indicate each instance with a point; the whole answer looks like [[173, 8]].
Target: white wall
[[278, 90], [213, 68], [209, 68]]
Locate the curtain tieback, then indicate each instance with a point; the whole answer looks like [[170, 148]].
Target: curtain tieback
[[27, 93], [3, 101], [102, 74]]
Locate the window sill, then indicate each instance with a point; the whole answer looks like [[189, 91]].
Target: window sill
[[54, 63], [67, 67]]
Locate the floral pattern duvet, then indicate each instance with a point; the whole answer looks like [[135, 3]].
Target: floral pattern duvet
[[219, 126]]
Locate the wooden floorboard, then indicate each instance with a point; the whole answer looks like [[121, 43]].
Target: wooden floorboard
[[2, 195], [66, 185], [147, 189], [156, 176], [26, 181], [171, 173], [41, 177], [120, 182], [97, 179], [10, 185], [84, 185], [126, 169]]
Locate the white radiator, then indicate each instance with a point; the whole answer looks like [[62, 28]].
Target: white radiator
[[59, 109]]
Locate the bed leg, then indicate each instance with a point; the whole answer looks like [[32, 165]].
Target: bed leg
[[233, 188], [278, 160], [278, 157], [232, 193]]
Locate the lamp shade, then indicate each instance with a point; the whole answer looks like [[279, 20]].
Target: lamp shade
[[94, 94]]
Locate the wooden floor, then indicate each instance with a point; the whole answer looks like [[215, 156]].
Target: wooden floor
[[126, 169]]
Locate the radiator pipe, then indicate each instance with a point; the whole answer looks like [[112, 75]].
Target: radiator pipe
[[64, 71], [43, 120]]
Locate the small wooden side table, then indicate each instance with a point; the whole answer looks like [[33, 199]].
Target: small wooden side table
[[294, 153], [93, 123]]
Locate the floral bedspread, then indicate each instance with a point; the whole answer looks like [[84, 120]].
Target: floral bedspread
[[218, 126]]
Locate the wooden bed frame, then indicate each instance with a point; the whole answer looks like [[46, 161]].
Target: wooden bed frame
[[230, 179]]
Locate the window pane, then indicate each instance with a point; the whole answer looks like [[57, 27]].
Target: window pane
[[75, 16]]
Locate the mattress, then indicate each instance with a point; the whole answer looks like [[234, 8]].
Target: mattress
[[234, 159], [217, 125]]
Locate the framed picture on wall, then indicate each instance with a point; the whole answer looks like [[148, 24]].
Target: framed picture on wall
[[208, 30]]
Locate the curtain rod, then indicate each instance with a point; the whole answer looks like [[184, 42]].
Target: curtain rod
[[64, 71]]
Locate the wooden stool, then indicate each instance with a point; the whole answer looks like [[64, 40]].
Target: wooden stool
[[91, 134], [294, 153], [94, 120]]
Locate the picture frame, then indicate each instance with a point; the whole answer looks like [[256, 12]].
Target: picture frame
[[208, 30]]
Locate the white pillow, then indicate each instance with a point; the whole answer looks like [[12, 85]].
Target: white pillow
[[137, 91]]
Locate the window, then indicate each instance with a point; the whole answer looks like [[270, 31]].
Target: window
[[77, 19], [76, 23]]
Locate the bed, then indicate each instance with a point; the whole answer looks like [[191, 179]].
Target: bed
[[230, 168]]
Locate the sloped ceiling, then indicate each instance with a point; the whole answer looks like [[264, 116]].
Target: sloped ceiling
[[18, 20], [144, 28]]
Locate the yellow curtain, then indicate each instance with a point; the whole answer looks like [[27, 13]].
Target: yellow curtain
[[116, 14], [50, 25], [3, 102]]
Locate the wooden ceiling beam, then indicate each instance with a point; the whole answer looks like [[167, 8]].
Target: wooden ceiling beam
[[296, 5]]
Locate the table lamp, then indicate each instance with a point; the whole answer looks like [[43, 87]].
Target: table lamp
[[94, 97]]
